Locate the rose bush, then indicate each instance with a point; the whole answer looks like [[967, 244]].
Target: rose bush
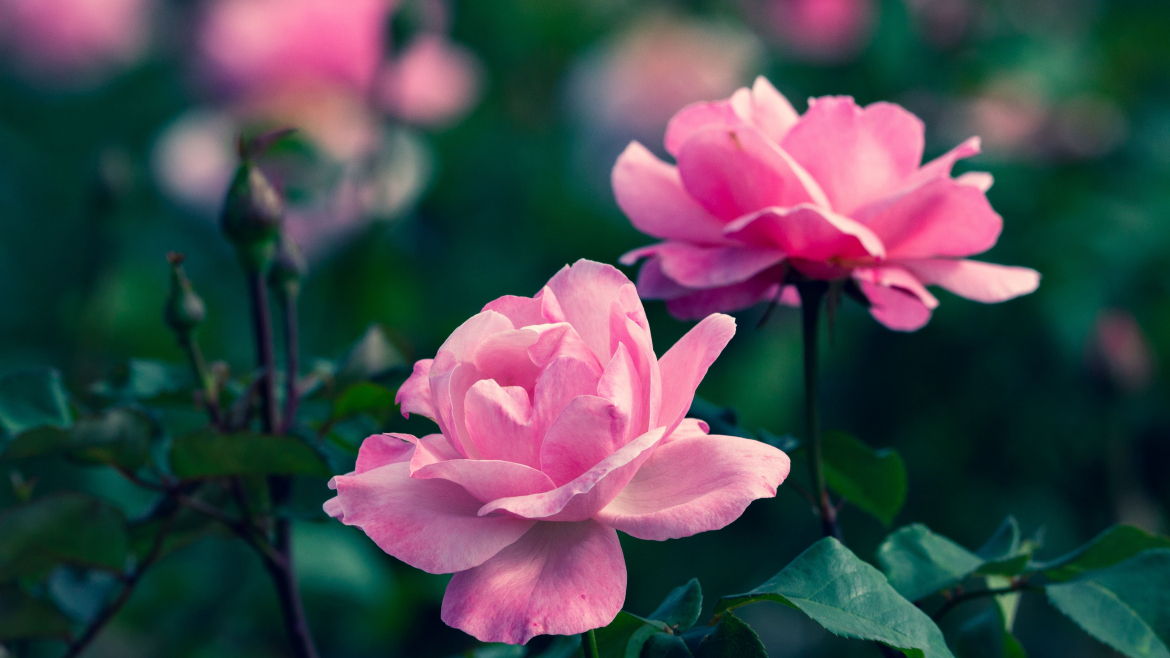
[[834, 194], [558, 426]]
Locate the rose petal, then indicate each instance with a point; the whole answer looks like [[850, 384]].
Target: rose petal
[[504, 357], [697, 266], [895, 300], [429, 524], [651, 194], [381, 449], [462, 342], [587, 431], [685, 364], [564, 379], [856, 155], [941, 218], [541, 308], [701, 303], [806, 232], [586, 292], [982, 282], [498, 421], [559, 579], [414, 395], [488, 479], [695, 484]]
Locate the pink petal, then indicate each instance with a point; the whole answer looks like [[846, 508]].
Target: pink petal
[[631, 331], [622, 387], [559, 579], [498, 423], [558, 340], [431, 525], [450, 391], [856, 155], [504, 357], [586, 292], [462, 342], [687, 428], [587, 431], [564, 379], [980, 180], [897, 299], [701, 303], [381, 449], [654, 284], [415, 393], [806, 232], [541, 308], [738, 171], [697, 266], [941, 166], [771, 111], [431, 449], [581, 498], [698, 116], [488, 479], [763, 107], [685, 364], [941, 218], [695, 484], [650, 193], [982, 282]]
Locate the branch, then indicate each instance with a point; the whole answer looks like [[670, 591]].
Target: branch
[[954, 601]]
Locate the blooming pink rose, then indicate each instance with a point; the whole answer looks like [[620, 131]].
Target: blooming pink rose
[[834, 194], [559, 426]]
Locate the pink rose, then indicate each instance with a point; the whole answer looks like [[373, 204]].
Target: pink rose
[[837, 193], [558, 426]]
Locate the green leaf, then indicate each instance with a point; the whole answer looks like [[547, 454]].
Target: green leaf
[[1126, 606], [873, 480], [680, 609], [625, 635], [117, 436], [919, 562], [145, 379], [363, 397], [849, 598], [371, 357], [208, 454], [665, 645], [63, 528], [732, 639], [33, 398], [1005, 543], [984, 636], [563, 646], [1114, 545], [23, 617]]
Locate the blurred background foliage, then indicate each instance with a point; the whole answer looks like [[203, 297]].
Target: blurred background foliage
[[427, 182]]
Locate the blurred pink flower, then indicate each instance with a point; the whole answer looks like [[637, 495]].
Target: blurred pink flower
[[823, 30], [253, 47], [1119, 353], [559, 426], [633, 84], [74, 40], [434, 82], [835, 194]]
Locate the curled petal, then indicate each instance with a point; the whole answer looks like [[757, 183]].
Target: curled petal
[[462, 342], [586, 292], [941, 218], [431, 525], [559, 579], [698, 266], [541, 308], [856, 155], [897, 299], [415, 393], [807, 232], [982, 282], [694, 484], [488, 479], [685, 364], [941, 166], [432, 449], [762, 107], [381, 449], [651, 194]]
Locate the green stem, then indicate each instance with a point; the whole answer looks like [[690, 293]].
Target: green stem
[[292, 360], [589, 639], [959, 599], [204, 376], [811, 294]]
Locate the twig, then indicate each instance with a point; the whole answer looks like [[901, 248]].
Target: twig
[[130, 581], [804, 492], [267, 552], [1018, 586]]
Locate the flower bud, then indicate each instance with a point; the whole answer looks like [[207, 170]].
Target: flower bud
[[184, 309], [288, 269], [251, 216]]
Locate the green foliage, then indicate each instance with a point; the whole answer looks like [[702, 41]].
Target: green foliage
[[1116, 544], [373, 356], [849, 598], [918, 562], [23, 617], [146, 379], [67, 528], [625, 636], [731, 639], [665, 645], [680, 609], [208, 454], [33, 398], [985, 636], [117, 436], [1126, 605], [873, 480], [363, 397]]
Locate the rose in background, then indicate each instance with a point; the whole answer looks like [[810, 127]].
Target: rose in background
[[74, 42], [559, 426], [326, 68], [761, 194]]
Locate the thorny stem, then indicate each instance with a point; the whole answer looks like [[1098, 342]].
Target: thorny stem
[[129, 582], [589, 640], [282, 572], [954, 601], [811, 294]]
